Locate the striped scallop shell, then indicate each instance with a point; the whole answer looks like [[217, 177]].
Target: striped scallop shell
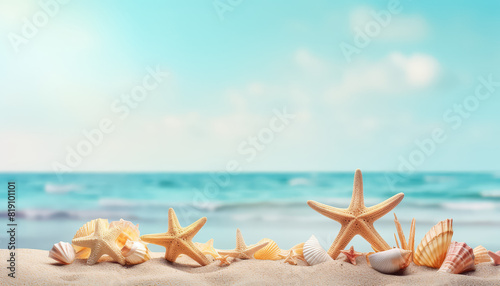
[[432, 249], [86, 230], [63, 252], [459, 259], [314, 253], [481, 255], [390, 261], [129, 231], [135, 252], [269, 252]]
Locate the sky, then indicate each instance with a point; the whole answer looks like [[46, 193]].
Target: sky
[[183, 86]]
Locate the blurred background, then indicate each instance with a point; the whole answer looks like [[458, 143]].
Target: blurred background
[[242, 111]]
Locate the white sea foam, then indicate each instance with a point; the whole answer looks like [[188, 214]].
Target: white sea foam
[[474, 206], [490, 194], [61, 189]]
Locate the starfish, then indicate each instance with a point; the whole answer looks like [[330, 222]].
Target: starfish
[[177, 239], [223, 260], [357, 218], [102, 241], [242, 251], [207, 248], [495, 256], [351, 255]]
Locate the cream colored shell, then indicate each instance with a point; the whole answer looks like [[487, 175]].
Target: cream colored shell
[[314, 253], [135, 252], [481, 255], [390, 261], [432, 249], [269, 252], [63, 253]]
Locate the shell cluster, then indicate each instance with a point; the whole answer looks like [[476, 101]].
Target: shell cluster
[[459, 259]]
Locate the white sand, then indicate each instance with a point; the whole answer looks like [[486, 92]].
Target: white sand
[[34, 267]]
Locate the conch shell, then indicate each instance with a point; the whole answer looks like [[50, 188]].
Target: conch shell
[[314, 253], [390, 261], [135, 252], [129, 232], [459, 259], [269, 252], [432, 249], [481, 255], [87, 229], [63, 252]]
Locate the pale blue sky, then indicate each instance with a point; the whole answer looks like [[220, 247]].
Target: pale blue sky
[[226, 76]]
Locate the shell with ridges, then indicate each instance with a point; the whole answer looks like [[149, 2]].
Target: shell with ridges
[[481, 255], [390, 261], [459, 259], [129, 231], [432, 249], [63, 253], [87, 229], [314, 253], [135, 252], [269, 252]]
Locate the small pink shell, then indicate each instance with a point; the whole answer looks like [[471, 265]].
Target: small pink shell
[[459, 259]]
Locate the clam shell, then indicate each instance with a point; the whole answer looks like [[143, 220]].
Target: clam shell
[[135, 252], [390, 261], [314, 253], [129, 231], [269, 252], [86, 230], [481, 255], [432, 249], [63, 253], [459, 259]]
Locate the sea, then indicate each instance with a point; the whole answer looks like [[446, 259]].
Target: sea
[[51, 208]]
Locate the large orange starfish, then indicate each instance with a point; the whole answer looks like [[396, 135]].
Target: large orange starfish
[[357, 218], [177, 240]]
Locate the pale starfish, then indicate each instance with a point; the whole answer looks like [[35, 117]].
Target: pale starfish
[[223, 260], [495, 256], [242, 251], [351, 255], [177, 240], [207, 248], [357, 218], [102, 241]]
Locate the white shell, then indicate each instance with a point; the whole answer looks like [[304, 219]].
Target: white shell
[[135, 252], [63, 253], [390, 261], [314, 253]]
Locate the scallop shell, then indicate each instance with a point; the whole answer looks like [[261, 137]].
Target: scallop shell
[[129, 231], [390, 261], [269, 252], [86, 230], [63, 253], [314, 253], [135, 252], [432, 249], [481, 255], [459, 259]]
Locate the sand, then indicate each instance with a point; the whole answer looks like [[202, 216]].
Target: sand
[[36, 268]]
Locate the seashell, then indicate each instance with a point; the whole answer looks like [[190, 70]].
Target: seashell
[[459, 259], [135, 252], [481, 255], [432, 249], [63, 253], [86, 230], [314, 253], [390, 261], [495, 256], [207, 248], [129, 231], [269, 252]]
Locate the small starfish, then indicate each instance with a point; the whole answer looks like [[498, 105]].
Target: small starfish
[[290, 258], [223, 260], [177, 240], [102, 241], [495, 256], [351, 255], [242, 251], [357, 218]]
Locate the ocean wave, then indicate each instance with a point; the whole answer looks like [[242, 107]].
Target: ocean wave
[[299, 182], [473, 206], [490, 194], [61, 189]]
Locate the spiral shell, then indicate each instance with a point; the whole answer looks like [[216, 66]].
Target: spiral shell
[[63, 252], [269, 252], [481, 255], [314, 253], [129, 231], [86, 230], [135, 252], [432, 249], [459, 259], [390, 261]]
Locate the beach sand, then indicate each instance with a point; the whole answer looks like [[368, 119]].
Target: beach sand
[[34, 267]]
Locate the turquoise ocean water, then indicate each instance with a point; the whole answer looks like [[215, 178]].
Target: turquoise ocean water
[[262, 205]]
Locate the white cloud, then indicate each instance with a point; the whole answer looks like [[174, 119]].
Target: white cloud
[[308, 61]]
